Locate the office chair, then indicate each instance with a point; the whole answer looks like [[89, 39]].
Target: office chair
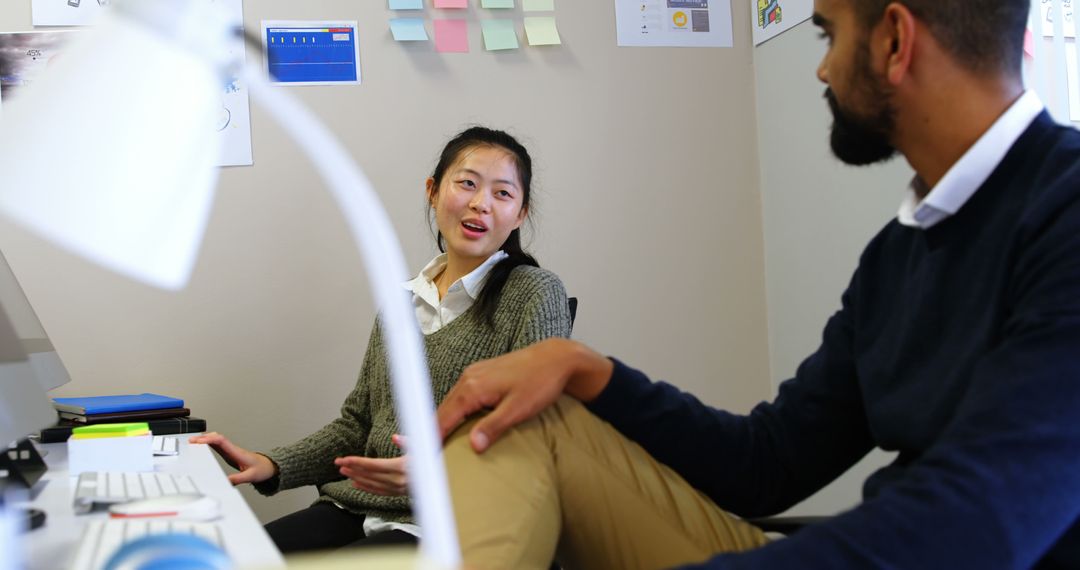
[[572, 301], [786, 525]]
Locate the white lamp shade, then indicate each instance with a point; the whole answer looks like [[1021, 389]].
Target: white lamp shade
[[108, 154]]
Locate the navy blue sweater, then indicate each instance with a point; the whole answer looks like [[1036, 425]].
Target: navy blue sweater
[[958, 347]]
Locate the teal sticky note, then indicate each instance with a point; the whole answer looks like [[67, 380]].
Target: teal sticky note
[[499, 34], [406, 4], [408, 29], [538, 5], [542, 31], [489, 4]]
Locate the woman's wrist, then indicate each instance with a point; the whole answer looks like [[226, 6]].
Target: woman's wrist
[[590, 372]]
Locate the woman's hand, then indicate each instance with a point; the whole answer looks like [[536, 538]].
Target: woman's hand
[[253, 467], [519, 385], [375, 475]]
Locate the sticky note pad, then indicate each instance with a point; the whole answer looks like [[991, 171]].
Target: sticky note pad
[[408, 29], [538, 5], [451, 36], [499, 34], [542, 31], [110, 430], [451, 3], [489, 4], [406, 4]]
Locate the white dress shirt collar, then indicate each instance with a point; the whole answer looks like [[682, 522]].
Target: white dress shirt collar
[[974, 167], [433, 313]]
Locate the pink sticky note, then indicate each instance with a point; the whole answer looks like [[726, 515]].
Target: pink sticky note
[[1029, 43], [452, 36], [451, 3]]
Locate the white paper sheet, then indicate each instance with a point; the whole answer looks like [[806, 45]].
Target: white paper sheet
[[673, 23]]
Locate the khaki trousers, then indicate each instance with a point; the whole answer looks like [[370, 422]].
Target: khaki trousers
[[568, 482]]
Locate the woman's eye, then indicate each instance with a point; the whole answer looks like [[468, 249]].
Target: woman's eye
[[504, 194], [468, 183]]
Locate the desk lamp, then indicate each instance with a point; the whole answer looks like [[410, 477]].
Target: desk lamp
[[125, 178]]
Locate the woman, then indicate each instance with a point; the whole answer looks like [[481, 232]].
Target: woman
[[482, 297]]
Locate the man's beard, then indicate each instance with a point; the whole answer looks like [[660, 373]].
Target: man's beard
[[861, 141]]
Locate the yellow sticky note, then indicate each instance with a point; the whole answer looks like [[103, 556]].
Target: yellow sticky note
[[538, 5], [541, 31]]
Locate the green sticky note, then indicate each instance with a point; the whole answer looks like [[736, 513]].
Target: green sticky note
[[499, 34], [489, 4], [110, 430], [542, 31], [538, 5]]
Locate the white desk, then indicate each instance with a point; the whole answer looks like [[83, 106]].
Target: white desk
[[52, 546]]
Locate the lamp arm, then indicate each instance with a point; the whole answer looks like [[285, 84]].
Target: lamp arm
[[385, 266]]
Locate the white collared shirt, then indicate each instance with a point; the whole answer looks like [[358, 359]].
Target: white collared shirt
[[968, 174], [432, 313]]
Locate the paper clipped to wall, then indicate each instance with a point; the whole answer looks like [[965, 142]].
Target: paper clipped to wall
[[673, 23], [770, 18], [312, 52], [25, 55]]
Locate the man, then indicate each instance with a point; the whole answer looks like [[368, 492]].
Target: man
[[957, 344]]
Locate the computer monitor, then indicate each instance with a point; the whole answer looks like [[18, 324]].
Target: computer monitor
[[24, 406], [48, 368]]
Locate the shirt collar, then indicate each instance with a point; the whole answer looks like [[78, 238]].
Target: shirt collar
[[971, 171], [471, 283]]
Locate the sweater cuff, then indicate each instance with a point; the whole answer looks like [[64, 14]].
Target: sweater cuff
[[272, 485], [624, 384]]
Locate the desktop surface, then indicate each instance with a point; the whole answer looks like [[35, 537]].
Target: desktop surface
[[53, 545]]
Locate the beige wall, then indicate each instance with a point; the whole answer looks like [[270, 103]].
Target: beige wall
[[818, 216], [648, 206]]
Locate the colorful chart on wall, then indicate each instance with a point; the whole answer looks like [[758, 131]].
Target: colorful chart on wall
[[771, 18], [233, 122], [673, 23], [311, 52]]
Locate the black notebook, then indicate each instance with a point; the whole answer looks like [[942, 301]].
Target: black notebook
[[170, 426]]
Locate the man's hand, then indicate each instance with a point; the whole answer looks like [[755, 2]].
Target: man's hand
[[253, 467], [519, 385], [374, 475]]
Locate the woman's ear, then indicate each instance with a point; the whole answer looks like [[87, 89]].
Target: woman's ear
[[522, 214], [430, 186]]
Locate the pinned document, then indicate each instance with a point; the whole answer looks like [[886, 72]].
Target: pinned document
[[541, 31], [499, 35], [408, 29], [406, 4], [451, 36]]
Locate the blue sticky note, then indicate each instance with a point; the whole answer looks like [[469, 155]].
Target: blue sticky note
[[408, 29], [406, 4]]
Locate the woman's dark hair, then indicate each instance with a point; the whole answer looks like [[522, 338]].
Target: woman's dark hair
[[478, 137]]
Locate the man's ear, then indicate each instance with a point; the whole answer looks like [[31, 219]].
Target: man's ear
[[897, 41], [430, 189]]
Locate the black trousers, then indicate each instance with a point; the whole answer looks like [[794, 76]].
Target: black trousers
[[323, 526]]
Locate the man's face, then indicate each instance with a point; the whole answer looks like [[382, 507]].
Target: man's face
[[863, 118]]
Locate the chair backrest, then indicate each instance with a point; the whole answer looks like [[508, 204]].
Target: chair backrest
[[572, 301]]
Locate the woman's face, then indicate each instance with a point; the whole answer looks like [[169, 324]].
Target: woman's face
[[478, 203]]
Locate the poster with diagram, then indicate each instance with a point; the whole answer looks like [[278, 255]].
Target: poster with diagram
[[673, 23], [770, 18], [233, 122]]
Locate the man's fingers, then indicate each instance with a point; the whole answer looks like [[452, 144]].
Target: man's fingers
[[491, 427]]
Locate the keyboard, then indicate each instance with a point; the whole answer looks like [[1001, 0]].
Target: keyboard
[[102, 538], [106, 488], [166, 445]]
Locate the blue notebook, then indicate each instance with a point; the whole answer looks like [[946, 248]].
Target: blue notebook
[[112, 404]]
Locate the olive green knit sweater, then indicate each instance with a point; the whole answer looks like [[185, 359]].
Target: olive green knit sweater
[[532, 307]]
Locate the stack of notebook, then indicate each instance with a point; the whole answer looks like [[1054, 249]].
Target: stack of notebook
[[164, 414]]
